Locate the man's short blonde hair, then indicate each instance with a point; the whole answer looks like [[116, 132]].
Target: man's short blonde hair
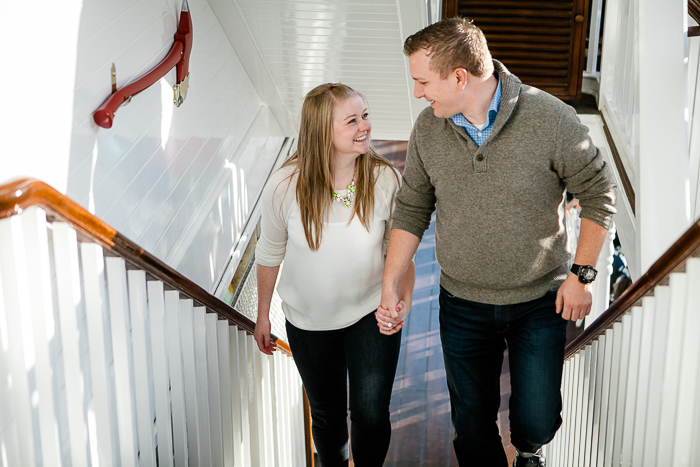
[[453, 43]]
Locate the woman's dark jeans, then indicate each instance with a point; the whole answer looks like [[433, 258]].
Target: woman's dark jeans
[[326, 361], [474, 337]]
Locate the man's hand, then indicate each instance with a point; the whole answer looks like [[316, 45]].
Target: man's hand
[[263, 331], [391, 322], [574, 299]]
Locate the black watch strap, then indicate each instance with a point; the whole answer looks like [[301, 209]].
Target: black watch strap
[[586, 274]]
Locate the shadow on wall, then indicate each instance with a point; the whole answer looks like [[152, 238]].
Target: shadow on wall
[[179, 181]]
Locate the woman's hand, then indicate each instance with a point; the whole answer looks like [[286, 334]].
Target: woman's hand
[[263, 331], [390, 323]]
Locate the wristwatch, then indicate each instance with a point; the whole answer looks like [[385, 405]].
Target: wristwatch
[[586, 274]]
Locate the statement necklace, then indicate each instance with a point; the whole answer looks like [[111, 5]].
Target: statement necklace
[[348, 199]]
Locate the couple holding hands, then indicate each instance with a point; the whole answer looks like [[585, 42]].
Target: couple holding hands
[[347, 226]]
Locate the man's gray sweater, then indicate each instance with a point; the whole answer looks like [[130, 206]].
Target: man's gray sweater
[[500, 236]]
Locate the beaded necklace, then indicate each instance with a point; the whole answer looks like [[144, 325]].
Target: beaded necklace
[[348, 199]]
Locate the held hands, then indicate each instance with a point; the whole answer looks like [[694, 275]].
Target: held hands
[[391, 321], [263, 331], [574, 299]]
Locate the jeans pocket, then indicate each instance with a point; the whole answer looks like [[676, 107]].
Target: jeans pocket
[[448, 294]]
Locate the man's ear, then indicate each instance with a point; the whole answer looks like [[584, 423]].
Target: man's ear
[[461, 76]]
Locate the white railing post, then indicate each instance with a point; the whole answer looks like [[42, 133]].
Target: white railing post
[[143, 371], [215, 421], [224, 351], [96, 313], [177, 384], [662, 198], [65, 247], [689, 382], [18, 336], [123, 360], [161, 376], [594, 37], [644, 379], [658, 358], [203, 415], [34, 227], [672, 367]]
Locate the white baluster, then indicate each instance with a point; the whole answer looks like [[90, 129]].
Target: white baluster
[[236, 398], [243, 389], [17, 336], [594, 36], [267, 384], [120, 322], [215, 423], [189, 372], [658, 360], [257, 434], [143, 372], [687, 434], [582, 406], [571, 454], [597, 400], [590, 402], [644, 378], [605, 397], [200, 350], [636, 317], [300, 422], [613, 392], [626, 329], [161, 377], [175, 370], [65, 247], [38, 279], [283, 408], [560, 437], [97, 318], [9, 444], [672, 367], [224, 351]]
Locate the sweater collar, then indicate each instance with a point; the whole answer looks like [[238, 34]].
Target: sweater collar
[[510, 94], [510, 88]]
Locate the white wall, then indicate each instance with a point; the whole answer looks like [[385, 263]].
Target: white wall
[[693, 115], [153, 174]]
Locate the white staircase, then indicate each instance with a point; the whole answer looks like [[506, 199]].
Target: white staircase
[[631, 393], [102, 364]]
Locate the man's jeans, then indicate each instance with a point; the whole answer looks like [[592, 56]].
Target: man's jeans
[[326, 361], [474, 337]]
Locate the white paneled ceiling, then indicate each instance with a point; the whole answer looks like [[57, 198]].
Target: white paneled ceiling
[[303, 43]]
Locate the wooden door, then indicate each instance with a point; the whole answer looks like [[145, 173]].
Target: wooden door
[[540, 41]]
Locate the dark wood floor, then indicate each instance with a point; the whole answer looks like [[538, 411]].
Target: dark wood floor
[[420, 406]]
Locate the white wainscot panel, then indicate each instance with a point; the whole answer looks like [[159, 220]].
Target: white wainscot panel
[[156, 158], [242, 181]]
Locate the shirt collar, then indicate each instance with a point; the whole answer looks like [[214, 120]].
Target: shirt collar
[[495, 103]]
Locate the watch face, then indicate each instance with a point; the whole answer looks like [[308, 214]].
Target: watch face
[[589, 274]]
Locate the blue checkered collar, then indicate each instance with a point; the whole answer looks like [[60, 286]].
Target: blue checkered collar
[[460, 120]]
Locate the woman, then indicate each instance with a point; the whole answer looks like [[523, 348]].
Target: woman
[[326, 213]]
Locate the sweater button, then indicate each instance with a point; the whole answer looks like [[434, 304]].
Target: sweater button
[[479, 158]]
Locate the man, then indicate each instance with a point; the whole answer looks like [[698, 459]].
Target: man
[[494, 157]]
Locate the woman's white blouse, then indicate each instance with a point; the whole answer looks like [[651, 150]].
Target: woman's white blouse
[[341, 282]]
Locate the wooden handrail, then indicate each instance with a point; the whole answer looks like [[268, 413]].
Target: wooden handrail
[[17, 196], [694, 10], [673, 260]]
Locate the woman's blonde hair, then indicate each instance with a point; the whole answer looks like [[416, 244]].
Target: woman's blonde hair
[[313, 163]]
